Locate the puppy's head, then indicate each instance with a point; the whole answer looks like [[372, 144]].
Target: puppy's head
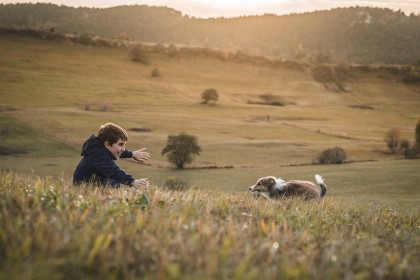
[[267, 185]]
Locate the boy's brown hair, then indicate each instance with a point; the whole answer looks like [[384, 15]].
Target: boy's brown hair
[[112, 133]]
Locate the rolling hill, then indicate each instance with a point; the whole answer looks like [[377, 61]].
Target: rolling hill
[[352, 35]]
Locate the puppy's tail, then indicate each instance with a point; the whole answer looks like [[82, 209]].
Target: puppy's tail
[[321, 184]]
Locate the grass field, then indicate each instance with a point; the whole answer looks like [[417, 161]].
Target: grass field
[[51, 229], [366, 228]]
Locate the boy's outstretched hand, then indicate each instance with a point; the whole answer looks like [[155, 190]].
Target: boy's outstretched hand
[[138, 183], [141, 155]]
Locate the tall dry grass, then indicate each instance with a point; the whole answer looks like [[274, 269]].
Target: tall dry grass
[[52, 229]]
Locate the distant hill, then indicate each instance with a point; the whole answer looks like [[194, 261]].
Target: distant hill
[[353, 35]]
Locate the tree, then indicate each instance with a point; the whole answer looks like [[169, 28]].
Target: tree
[[209, 95], [181, 149], [393, 139]]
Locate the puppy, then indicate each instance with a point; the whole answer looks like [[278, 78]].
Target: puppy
[[273, 188]]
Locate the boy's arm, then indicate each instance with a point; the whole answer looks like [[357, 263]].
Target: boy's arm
[[126, 154], [139, 155], [122, 177], [107, 168]]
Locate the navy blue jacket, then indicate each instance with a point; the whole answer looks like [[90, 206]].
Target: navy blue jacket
[[98, 166]]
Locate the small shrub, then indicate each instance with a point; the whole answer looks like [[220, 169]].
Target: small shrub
[[156, 73], [393, 139], [175, 184], [409, 151], [268, 97], [334, 155], [139, 54]]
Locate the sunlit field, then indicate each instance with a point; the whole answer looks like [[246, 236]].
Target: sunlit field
[[51, 229]]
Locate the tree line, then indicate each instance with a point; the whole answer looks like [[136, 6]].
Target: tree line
[[354, 35]]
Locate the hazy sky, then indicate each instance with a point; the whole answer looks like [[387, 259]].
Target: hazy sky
[[231, 8]]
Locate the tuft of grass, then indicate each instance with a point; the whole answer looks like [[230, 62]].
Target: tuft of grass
[[50, 228]]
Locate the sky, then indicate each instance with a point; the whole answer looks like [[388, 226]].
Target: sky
[[234, 8]]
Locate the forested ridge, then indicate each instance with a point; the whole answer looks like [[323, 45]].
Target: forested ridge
[[354, 35]]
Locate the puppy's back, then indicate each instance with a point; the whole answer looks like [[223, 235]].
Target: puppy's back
[[305, 189]]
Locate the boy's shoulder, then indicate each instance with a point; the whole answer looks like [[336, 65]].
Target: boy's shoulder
[[93, 146]]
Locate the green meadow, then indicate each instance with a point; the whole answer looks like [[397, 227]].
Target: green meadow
[[54, 95]]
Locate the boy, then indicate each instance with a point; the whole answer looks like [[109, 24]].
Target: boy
[[99, 155]]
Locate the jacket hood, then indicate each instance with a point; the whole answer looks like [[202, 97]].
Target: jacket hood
[[92, 146]]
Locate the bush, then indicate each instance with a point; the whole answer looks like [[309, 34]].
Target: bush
[[334, 155], [268, 97], [139, 54], [175, 184], [155, 73], [393, 139], [271, 99], [409, 151]]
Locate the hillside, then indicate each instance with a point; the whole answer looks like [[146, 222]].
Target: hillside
[[353, 35], [56, 94]]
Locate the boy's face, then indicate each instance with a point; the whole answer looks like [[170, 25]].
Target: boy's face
[[117, 148]]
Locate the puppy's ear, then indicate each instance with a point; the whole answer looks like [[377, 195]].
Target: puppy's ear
[[271, 182]]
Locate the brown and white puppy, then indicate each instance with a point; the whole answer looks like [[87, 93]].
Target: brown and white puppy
[[272, 188]]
